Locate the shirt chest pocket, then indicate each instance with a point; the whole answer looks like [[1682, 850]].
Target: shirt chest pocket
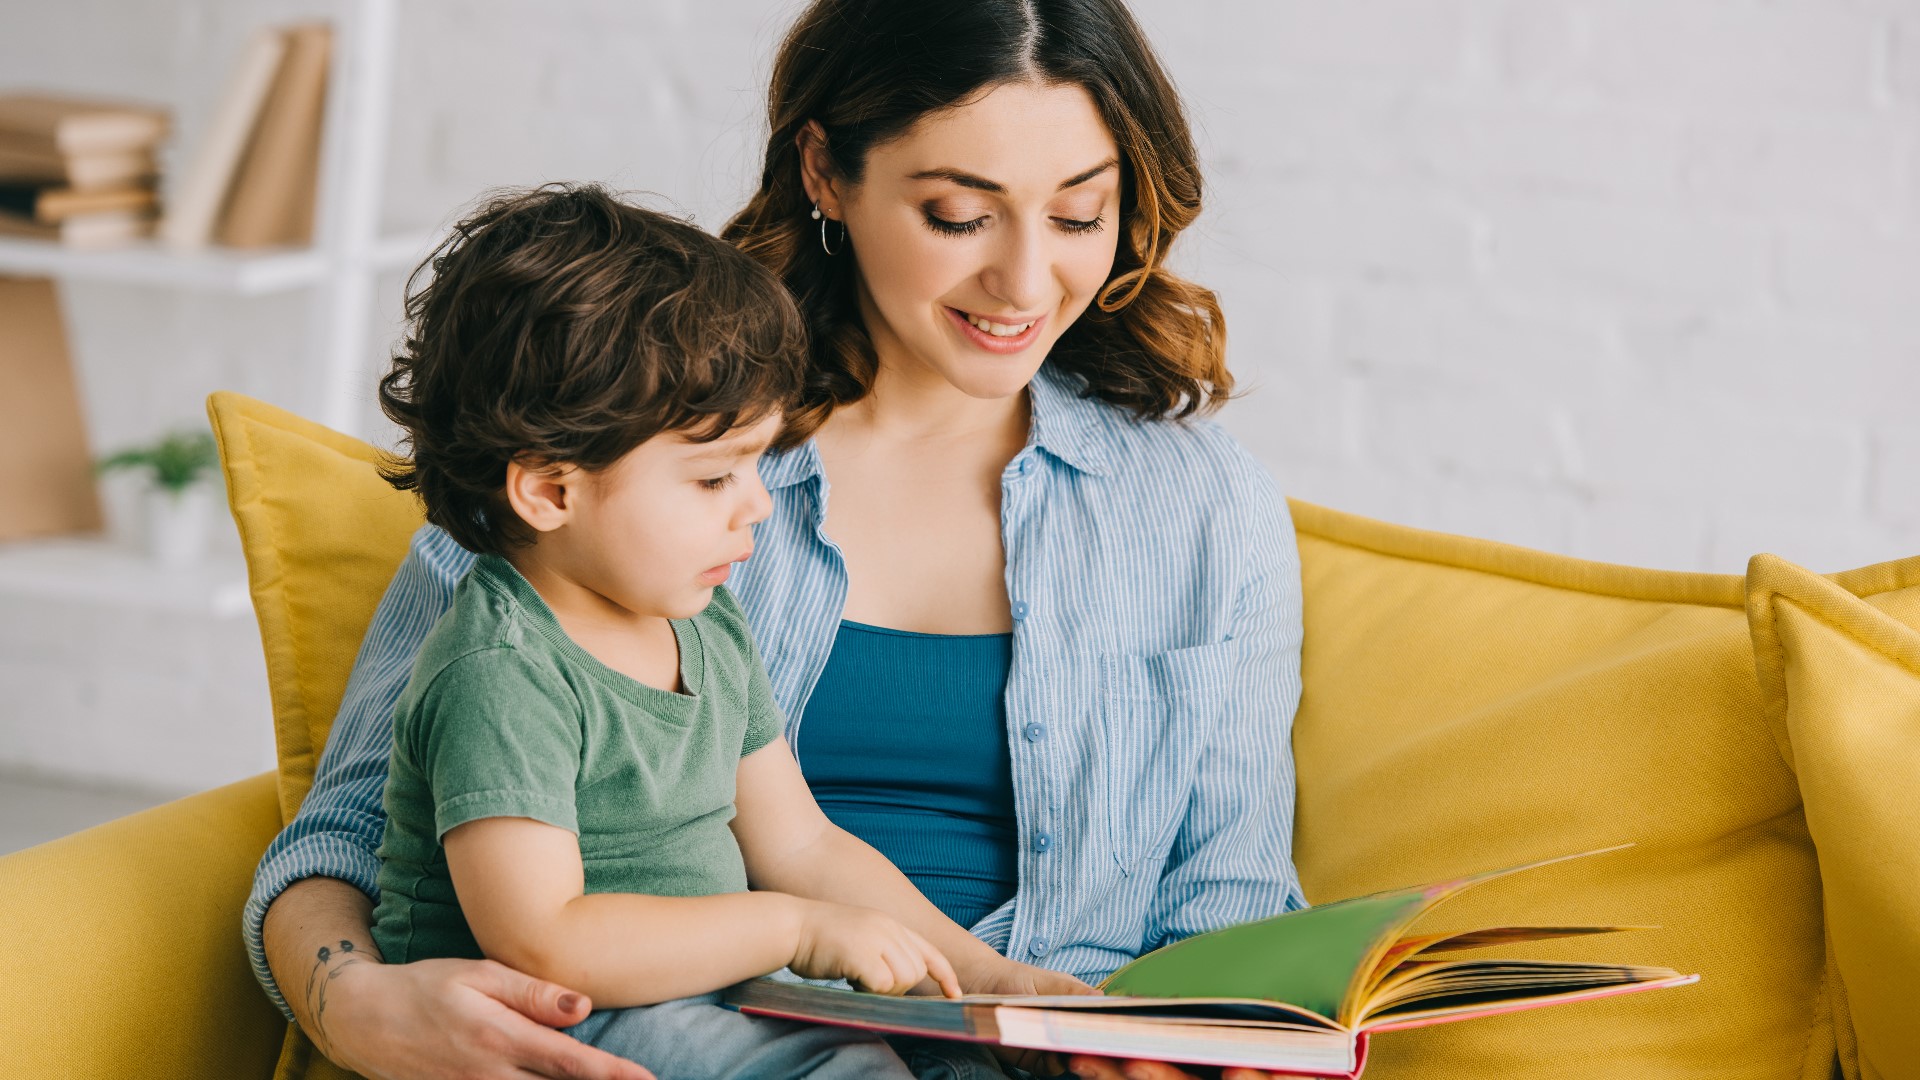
[[1158, 713]]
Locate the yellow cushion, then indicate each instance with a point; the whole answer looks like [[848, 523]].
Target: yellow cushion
[[322, 535], [1470, 705], [123, 954], [1841, 678]]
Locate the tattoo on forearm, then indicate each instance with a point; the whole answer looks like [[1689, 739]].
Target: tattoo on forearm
[[329, 962]]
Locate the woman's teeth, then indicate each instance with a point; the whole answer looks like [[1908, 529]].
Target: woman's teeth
[[994, 328]]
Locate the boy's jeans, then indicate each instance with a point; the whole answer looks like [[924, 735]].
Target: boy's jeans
[[697, 1038]]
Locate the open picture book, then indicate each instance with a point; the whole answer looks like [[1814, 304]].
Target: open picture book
[[1299, 992]]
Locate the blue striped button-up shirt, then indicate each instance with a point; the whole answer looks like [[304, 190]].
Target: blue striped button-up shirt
[[1155, 590]]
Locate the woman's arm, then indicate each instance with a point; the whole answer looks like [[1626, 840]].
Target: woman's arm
[[433, 1020]]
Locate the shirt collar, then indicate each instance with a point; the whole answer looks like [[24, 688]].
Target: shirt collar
[[1066, 424], [788, 467]]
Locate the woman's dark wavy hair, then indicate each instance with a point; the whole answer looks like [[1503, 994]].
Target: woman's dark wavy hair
[[867, 70], [561, 325]]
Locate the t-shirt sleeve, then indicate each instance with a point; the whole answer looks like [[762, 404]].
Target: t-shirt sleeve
[[498, 735], [765, 721]]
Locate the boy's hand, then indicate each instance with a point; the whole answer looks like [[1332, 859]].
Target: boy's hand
[[871, 950]]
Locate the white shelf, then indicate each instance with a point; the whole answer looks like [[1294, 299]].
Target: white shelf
[[100, 572], [147, 262]]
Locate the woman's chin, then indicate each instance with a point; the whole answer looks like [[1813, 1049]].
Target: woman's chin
[[996, 378]]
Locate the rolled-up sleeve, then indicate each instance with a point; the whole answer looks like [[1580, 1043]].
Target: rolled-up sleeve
[[1232, 859], [337, 832]]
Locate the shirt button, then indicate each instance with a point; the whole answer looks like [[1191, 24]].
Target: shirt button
[[1020, 609], [1038, 946], [1042, 841], [1034, 732], [1026, 465]]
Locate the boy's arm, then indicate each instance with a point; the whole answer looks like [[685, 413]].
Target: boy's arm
[[520, 884], [790, 846]]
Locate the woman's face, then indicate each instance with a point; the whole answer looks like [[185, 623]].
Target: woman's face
[[982, 234]]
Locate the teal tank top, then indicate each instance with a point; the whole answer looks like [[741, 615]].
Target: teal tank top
[[904, 743]]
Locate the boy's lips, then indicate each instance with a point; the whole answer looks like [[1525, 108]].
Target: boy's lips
[[717, 575]]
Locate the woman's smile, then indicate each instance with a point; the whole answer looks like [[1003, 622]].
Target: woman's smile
[[994, 335]]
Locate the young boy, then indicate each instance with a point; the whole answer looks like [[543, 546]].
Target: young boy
[[588, 768]]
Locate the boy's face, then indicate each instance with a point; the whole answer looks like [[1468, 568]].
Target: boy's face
[[660, 528]]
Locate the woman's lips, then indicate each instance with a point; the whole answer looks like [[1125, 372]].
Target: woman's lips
[[981, 339]]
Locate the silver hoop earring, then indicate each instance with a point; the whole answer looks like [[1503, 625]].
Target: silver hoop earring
[[822, 219]]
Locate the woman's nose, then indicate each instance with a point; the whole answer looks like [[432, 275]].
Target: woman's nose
[[1021, 271]]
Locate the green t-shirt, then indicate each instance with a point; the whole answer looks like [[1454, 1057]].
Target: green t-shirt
[[505, 716]]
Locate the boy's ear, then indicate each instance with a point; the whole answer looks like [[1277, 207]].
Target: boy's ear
[[543, 497]]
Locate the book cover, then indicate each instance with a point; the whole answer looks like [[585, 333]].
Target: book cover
[[76, 125], [273, 196], [1299, 992], [25, 161], [193, 204]]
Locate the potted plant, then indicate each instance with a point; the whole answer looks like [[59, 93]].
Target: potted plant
[[179, 501]]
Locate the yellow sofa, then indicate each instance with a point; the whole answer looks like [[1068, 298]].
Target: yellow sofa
[[1468, 705]]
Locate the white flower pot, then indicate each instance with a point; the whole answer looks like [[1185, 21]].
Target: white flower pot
[[178, 524]]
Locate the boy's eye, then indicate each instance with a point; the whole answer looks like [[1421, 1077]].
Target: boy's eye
[[718, 482]]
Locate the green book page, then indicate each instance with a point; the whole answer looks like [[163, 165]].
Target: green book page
[[1307, 958]]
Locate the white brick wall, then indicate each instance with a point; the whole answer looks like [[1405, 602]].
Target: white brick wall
[[1629, 279]]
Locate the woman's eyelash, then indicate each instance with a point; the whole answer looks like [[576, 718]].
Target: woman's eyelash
[[954, 228], [963, 228], [718, 483]]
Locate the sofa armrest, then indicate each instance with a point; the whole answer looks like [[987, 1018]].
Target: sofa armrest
[[123, 953]]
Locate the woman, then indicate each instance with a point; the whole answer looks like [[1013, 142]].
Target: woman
[[1041, 646]]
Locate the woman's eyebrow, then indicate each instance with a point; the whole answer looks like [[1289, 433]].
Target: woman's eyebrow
[[981, 183]]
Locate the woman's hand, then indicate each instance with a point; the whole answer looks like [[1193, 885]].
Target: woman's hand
[[1011, 978], [868, 948], [467, 1019], [1100, 1068]]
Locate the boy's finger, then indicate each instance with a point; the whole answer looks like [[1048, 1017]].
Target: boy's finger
[[942, 972]]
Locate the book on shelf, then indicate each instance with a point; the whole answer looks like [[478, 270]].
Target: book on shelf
[[1301, 992], [75, 126], [77, 170], [24, 160], [275, 184], [105, 228], [58, 202], [195, 201]]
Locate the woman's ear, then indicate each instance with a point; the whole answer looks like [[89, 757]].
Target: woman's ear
[[544, 498], [816, 172]]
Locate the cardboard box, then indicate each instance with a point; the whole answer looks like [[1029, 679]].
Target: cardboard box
[[46, 467]]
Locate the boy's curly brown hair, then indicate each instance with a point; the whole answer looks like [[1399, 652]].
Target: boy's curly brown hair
[[562, 325]]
